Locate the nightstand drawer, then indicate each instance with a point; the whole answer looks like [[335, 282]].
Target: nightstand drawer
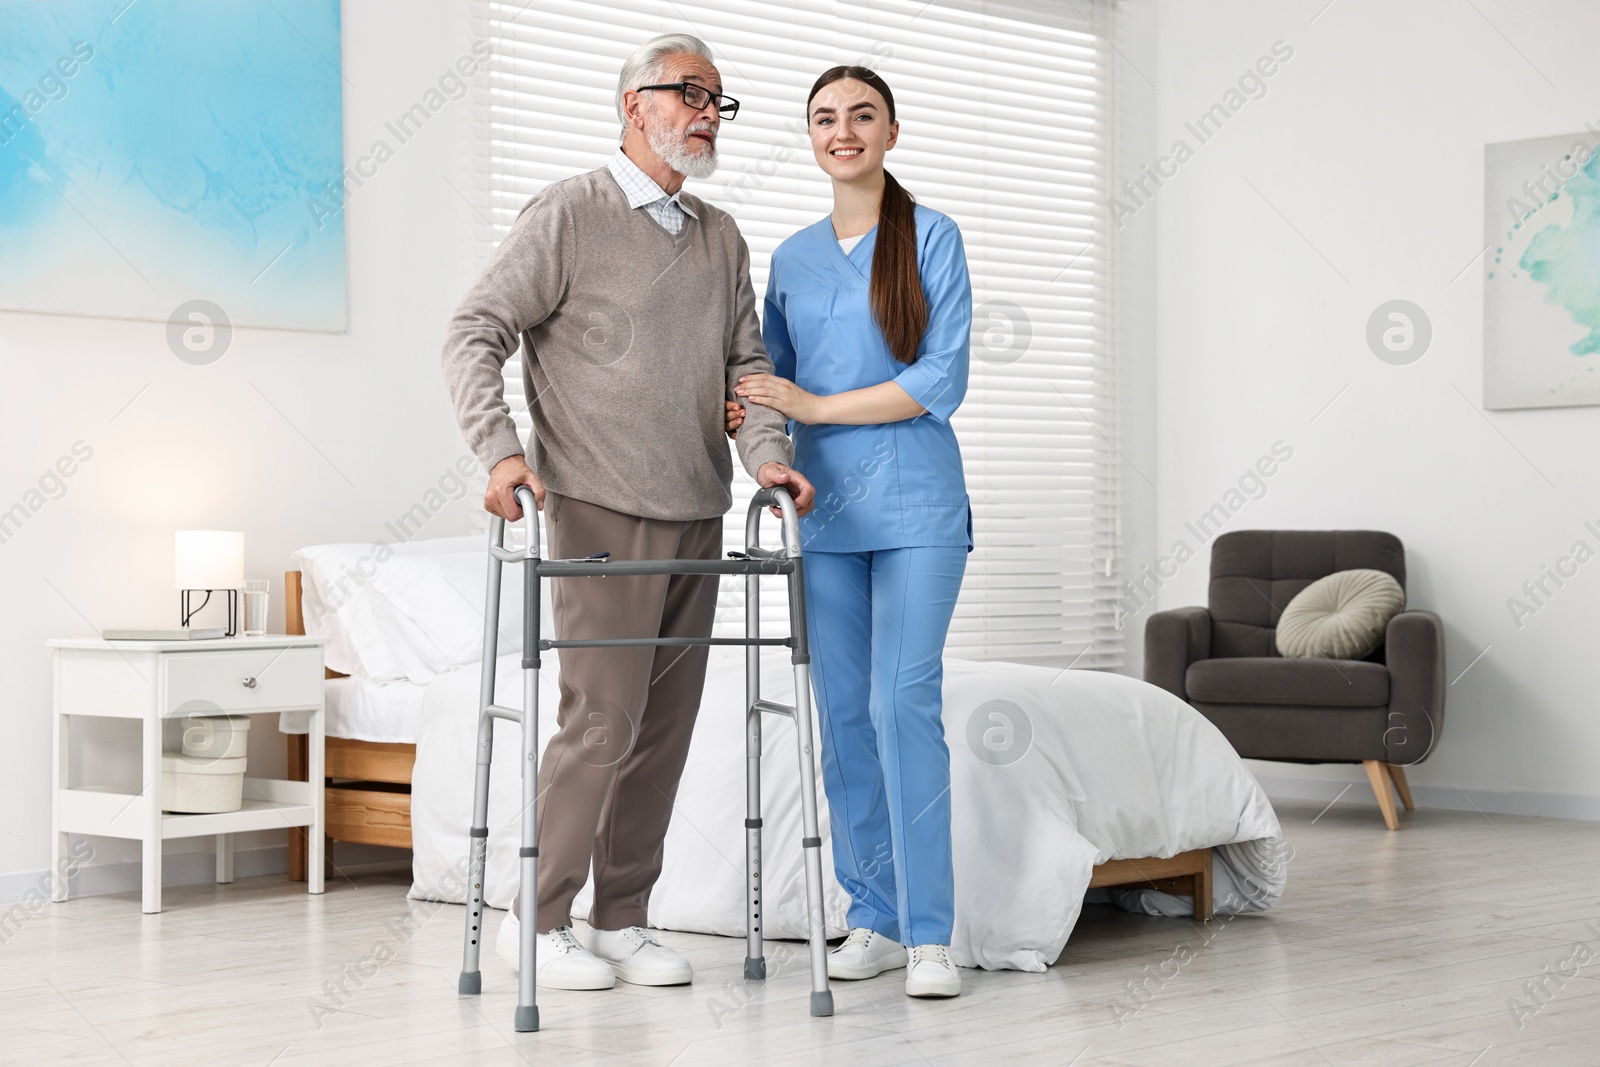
[[243, 680]]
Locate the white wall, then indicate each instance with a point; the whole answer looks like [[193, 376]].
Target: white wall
[[1358, 178], [294, 438]]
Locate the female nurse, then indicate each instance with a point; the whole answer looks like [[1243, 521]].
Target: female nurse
[[868, 315]]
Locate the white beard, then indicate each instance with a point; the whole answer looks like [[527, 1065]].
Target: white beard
[[675, 151]]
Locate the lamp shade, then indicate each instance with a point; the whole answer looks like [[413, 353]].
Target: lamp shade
[[208, 559]]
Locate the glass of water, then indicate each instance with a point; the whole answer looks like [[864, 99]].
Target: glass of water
[[255, 606]]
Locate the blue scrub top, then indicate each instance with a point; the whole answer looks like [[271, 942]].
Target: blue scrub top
[[886, 485]]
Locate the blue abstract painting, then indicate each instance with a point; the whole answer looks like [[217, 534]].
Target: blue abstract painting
[[1541, 341], [158, 152]]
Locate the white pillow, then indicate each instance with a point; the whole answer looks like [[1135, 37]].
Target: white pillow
[[1341, 616], [408, 611]]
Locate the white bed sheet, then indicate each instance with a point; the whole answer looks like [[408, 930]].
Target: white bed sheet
[[363, 710], [409, 611], [1113, 768]]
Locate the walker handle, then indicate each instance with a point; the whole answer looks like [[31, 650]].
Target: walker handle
[[773, 496], [530, 517]]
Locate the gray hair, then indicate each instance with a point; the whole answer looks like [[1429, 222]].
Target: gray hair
[[650, 59]]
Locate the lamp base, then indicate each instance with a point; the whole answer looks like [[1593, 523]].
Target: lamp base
[[186, 612]]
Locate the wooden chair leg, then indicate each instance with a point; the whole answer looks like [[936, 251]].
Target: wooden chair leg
[[1382, 788], [299, 767], [1398, 774]]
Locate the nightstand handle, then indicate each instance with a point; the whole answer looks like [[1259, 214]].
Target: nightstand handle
[[249, 683]]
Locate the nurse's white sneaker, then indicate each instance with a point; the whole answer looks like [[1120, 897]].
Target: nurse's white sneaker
[[865, 954], [638, 958], [930, 972], [563, 961]]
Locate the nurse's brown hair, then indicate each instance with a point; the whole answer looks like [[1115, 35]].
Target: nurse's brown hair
[[898, 302]]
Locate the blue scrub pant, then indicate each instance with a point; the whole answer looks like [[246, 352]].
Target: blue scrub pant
[[878, 622]]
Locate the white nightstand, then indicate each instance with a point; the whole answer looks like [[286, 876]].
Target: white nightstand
[[158, 680]]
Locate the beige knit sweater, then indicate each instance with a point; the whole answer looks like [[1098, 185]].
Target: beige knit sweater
[[636, 338]]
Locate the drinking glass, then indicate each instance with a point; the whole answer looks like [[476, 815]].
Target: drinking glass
[[255, 606]]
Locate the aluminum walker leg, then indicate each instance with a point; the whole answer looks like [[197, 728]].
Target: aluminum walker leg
[[471, 981], [821, 996], [527, 1014], [755, 964]]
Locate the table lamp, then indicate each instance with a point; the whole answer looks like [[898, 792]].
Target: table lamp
[[205, 561]]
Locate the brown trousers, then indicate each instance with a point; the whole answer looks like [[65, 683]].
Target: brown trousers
[[609, 776]]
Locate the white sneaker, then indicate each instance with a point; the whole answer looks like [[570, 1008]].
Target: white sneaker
[[563, 961], [930, 972], [637, 957], [865, 954]]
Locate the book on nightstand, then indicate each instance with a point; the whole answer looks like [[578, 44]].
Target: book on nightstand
[[177, 633]]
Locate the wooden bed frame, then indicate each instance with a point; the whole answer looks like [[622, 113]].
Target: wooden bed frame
[[1187, 873], [367, 800]]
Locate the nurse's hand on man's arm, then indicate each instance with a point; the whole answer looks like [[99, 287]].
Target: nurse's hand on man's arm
[[884, 402], [773, 473], [500, 498], [733, 412], [771, 391]]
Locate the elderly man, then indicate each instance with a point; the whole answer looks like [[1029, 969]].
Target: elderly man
[[633, 304]]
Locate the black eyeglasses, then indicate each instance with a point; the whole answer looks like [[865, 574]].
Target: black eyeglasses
[[698, 96]]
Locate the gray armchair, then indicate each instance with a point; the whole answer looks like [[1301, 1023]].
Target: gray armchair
[[1384, 712]]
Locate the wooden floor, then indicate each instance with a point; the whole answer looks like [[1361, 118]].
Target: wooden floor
[[1389, 948]]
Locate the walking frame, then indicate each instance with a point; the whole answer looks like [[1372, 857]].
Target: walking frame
[[753, 562]]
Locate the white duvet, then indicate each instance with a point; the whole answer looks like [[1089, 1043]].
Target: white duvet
[[1052, 772]]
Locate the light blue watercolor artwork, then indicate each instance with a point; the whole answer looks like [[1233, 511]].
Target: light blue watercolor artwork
[[1541, 294], [163, 151]]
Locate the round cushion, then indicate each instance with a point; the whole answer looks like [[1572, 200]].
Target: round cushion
[[1342, 616]]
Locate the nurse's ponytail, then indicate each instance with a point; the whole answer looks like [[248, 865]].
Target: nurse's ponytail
[[898, 302]]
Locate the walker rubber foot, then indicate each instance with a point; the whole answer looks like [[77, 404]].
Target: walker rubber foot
[[822, 1003], [527, 1020], [755, 970], [470, 983]]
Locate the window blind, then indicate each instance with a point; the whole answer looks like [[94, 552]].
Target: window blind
[[1005, 112]]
